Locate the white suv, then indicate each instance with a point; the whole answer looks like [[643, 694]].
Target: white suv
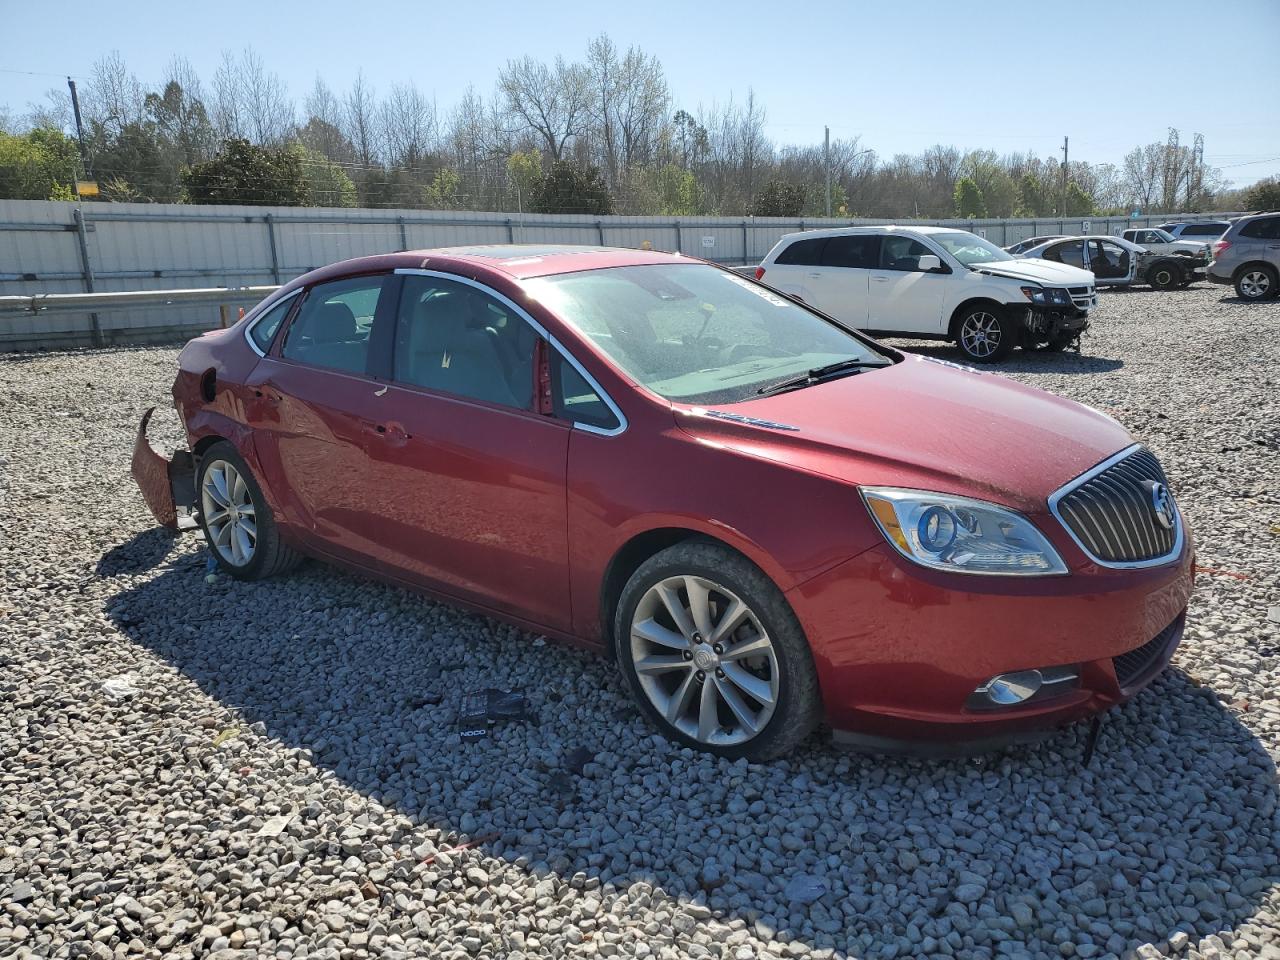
[[935, 283]]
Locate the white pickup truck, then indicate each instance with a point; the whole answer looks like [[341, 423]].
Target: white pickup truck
[[934, 283]]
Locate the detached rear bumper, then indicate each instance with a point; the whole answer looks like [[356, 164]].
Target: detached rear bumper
[[166, 485]]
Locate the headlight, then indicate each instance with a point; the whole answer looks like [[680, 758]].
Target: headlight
[[961, 535], [1036, 294]]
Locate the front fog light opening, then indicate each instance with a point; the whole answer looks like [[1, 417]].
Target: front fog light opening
[[1022, 687]]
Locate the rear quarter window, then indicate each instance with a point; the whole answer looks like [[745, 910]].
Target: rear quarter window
[[806, 253]]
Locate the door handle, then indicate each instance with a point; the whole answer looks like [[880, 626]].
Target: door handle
[[815, 276], [880, 279]]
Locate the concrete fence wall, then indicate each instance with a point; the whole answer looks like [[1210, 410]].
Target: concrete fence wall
[[57, 247]]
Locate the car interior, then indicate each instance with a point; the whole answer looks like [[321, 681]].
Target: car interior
[[328, 332], [452, 338]]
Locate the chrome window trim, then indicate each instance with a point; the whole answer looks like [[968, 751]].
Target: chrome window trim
[[1179, 539], [256, 320], [546, 335]]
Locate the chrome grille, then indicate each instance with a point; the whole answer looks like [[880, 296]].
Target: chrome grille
[[1111, 512], [1082, 297]]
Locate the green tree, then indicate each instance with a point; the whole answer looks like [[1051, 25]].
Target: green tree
[[39, 165], [1079, 203], [442, 192], [1033, 197], [568, 188], [524, 170], [968, 199], [248, 174], [777, 198], [327, 183], [1263, 195]]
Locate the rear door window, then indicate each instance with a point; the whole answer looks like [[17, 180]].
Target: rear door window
[[1203, 230], [859, 251], [333, 326], [803, 253]]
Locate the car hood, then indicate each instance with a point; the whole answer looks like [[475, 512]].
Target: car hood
[[924, 424], [1188, 245], [1042, 271]]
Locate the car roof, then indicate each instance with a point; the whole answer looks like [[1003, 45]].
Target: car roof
[[869, 228], [1098, 236], [517, 261]]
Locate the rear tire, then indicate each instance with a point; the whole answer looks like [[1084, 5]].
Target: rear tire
[[985, 334], [238, 525], [714, 655], [1258, 282], [1165, 276]]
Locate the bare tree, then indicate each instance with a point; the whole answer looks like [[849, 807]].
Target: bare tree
[[408, 126], [267, 109], [114, 98], [322, 131], [360, 119], [227, 100], [551, 101]]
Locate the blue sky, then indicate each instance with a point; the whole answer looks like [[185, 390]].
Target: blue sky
[[902, 75]]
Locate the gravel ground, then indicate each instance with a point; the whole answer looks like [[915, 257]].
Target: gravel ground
[[190, 766]]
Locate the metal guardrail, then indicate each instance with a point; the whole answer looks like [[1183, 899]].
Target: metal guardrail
[[38, 303]]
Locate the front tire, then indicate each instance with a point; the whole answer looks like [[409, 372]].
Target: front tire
[[1257, 283], [984, 334], [714, 655], [238, 525]]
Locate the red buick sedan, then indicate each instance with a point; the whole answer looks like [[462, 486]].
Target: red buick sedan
[[767, 519]]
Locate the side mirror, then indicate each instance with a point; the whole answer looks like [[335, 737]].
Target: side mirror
[[929, 263]]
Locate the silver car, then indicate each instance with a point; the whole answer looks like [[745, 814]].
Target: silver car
[[1248, 257]]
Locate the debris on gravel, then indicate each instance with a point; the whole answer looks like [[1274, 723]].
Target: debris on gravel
[[344, 817]]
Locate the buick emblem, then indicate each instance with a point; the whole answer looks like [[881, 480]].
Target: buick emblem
[[1161, 503]]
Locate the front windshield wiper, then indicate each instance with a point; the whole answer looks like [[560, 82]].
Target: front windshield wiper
[[818, 374]]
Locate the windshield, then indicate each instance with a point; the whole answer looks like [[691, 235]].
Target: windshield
[[969, 248], [695, 333], [1165, 235]]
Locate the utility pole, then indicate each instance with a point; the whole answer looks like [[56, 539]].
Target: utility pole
[[75, 108], [1064, 176], [826, 162]]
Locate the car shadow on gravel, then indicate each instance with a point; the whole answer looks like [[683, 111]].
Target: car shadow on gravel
[[1171, 828], [141, 552]]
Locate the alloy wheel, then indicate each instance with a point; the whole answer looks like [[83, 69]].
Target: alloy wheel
[[1255, 284], [704, 660], [229, 515], [980, 334]]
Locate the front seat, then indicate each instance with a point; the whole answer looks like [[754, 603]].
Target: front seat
[[450, 352]]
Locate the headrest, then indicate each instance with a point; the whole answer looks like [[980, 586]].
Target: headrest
[[333, 322]]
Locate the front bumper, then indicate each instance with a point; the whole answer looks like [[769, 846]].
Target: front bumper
[[1049, 322], [900, 649]]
